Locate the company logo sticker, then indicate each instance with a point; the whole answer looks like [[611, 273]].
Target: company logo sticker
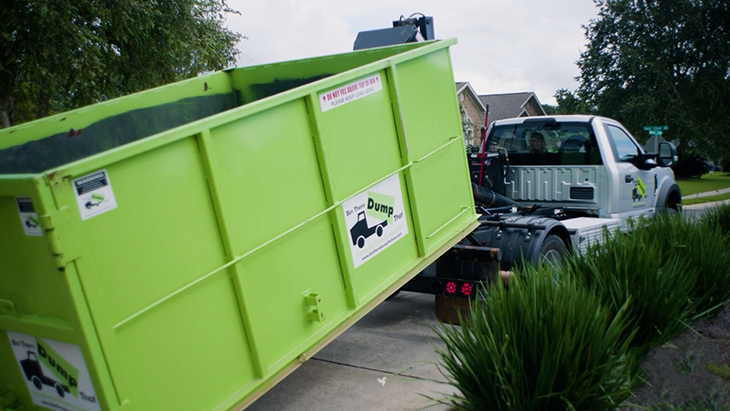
[[638, 193], [28, 216], [94, 194], [375, 220], [350, 92], [55, 373]]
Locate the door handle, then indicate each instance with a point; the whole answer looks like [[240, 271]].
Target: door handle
[[629, 178]]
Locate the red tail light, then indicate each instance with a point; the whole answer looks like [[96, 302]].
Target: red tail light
[[450, 288], [466, 289]]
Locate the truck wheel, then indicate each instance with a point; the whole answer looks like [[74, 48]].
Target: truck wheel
[[670, 207], [37, 382], [379, 231], [59, 390], [361, 241], [552, 250]]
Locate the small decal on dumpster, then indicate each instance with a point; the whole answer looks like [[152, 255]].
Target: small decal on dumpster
[[54, 372], [94, 194], [350, 92], [28, 217], [375, 220]]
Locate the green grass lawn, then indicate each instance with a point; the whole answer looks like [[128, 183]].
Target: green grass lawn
[[707, 182], [711, 199]]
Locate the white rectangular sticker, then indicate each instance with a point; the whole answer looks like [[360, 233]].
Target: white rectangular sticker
[[375, 220], [54, 372], [28, 216], [350, 92], [94, 194]]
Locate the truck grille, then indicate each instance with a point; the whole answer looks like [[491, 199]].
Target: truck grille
[[581, 193]]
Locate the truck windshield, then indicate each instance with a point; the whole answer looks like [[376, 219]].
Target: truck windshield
[[546, 143]]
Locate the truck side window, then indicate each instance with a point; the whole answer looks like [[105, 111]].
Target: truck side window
[[624, 148]]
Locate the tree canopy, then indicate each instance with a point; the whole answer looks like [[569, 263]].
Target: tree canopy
[[659, 62], [57, 55]]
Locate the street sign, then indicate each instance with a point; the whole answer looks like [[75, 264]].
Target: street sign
[[656, 128], [655, 133]]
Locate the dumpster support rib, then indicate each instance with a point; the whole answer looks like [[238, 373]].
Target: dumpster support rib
[[210, 165]]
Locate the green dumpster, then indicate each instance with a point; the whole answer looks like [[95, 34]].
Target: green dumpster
[[188, 246]]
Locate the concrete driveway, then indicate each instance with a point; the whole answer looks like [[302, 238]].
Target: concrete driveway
[[386, 361]]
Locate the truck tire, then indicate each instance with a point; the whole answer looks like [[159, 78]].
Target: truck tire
[[379, 231], [37, 382], [552, 250], [361, 241]]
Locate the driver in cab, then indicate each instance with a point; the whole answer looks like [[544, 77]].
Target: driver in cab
[[537, 143]]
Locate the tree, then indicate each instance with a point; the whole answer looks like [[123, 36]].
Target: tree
[[661, 62], [58, 55], [568, 103]]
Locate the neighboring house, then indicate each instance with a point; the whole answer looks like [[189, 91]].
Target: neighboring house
[[510, 105], [472, 113]]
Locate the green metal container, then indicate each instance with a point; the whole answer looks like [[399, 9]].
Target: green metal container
[[186, 247]]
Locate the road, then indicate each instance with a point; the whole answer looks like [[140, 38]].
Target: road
[[386, 361]]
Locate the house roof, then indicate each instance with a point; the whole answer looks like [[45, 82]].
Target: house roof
[[509, 105], [464, 86]]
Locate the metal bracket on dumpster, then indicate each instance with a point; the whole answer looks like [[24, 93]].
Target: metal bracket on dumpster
[[311, 301], [53, 225]]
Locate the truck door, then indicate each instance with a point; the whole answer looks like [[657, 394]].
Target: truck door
[[636, 187]]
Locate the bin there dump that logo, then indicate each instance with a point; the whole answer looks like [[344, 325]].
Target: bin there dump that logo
[[375, 220]]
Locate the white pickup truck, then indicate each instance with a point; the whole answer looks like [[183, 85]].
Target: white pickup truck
[[546, 185]]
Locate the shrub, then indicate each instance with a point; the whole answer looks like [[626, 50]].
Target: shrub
[[633, 271], [704, 246], [540, 344]]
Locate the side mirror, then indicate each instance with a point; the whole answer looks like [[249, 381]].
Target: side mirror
[[667, 154], [644, 161]]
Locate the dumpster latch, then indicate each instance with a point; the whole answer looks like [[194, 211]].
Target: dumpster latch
[[311, 301]]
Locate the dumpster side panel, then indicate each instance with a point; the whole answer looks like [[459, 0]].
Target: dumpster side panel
[[270, 184], [430, 108], [190, 353], [155, 285], [161, 236]]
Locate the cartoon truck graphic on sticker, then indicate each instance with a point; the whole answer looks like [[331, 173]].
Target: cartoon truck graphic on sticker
[[34, 373], [360, 231]]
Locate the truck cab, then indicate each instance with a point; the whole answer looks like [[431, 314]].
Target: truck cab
[[587, 166]]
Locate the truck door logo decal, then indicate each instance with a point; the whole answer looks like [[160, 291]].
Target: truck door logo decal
[[638, 193], [349, 92], [375, 220], [55, 373]]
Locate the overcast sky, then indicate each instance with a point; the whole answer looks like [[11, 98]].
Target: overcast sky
[[503, 45]]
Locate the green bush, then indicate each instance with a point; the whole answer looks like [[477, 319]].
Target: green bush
[[704, 246], [718, 217], [634, 271], [540, 344]]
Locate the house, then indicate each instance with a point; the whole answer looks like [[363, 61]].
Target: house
[[472, 113], [509, 105]]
